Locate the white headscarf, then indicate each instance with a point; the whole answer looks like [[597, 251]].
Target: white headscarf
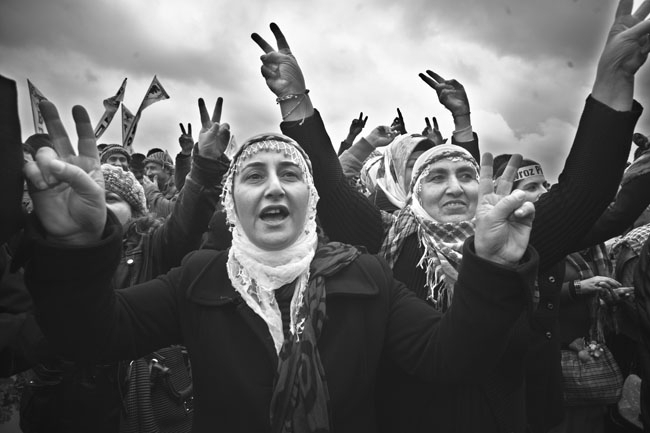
[[256, 273]]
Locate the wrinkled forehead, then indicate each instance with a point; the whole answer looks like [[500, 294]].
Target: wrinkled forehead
[[268, 160], [267, 150]]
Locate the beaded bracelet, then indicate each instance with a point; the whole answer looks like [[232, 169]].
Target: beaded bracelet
[[291, 96], [284, 117]]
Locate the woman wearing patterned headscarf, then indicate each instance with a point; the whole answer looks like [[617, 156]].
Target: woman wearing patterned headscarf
[[285, 332], [564, 215]]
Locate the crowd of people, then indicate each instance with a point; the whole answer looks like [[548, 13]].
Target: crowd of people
[[400, 283]]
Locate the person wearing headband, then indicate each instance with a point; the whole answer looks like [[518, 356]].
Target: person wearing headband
[[529, 178], [564, 216], [285, 331]]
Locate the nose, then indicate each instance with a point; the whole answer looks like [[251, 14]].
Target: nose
[[453, 186], [274, 186]]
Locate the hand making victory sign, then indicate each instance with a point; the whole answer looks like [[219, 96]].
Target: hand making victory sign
[[68, 189]]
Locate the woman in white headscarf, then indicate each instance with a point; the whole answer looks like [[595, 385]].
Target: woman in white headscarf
[[285, 332], [585, 188]]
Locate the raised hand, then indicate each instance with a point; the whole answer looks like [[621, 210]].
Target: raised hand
[[451, 93], [381, 136], [433, 132], [398, 124], [185, 140], [626, 49], [214, 136], [68, 189], [280, 68], [357, 125], [503, 218]]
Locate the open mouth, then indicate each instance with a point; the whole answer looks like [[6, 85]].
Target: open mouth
[[274, 213], [454, 204]]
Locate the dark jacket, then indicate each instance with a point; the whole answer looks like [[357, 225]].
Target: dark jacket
[[563, 217], [370, 316], [79, 397]]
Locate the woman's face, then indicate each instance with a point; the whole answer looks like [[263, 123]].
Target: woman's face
[[449, 192], [119, 207], [533, 187], [271, 199]]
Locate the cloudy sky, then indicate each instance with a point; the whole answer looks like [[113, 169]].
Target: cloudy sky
[[527, 65]]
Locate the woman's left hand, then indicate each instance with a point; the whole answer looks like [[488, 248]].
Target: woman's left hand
[[503, 218], [280, 68]]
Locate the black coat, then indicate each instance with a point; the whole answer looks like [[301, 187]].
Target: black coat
[[370, 316]]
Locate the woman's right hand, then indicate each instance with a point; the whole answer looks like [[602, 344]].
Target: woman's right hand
[[68, 189], [598, 284]]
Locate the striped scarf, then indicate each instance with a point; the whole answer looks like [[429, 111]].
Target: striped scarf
[[300, 401]]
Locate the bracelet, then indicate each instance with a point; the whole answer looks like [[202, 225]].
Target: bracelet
[[576, 287], [455, 116], [295, 106], [467, 128], [291, 96]]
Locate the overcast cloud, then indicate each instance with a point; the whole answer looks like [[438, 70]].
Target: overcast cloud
[[527, 65]]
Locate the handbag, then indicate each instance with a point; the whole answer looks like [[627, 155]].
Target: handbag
[[596, 382], [159, 397]]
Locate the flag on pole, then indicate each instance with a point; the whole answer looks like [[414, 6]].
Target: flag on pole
[[110, 108], [35, 97], [128, 127], [155, 93]]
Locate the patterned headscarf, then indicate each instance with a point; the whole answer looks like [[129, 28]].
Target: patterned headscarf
[[442, 242], [300, 400], [391, 174], [254, 272]]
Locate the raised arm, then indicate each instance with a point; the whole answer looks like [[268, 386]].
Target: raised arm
[[182, 231], [184, 157], [356, 127], [600, 149], [453, 97], [345, 214]]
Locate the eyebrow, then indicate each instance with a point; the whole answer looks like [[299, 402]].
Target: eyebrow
[[259, 164]]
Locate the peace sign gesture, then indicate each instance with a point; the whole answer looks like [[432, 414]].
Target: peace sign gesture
[[185, 140], [214, 136], [68, 189], [451, 93], [357, 125], [503, 218], [626, 49], [280, 68], [433, 132]]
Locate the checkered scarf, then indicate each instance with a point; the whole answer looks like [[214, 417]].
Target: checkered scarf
[[442, 242]]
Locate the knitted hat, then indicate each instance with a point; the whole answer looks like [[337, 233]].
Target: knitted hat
[[124, 184], [112, 149], [161, 158]]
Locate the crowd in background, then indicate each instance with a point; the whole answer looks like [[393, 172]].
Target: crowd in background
[[402, 282]]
